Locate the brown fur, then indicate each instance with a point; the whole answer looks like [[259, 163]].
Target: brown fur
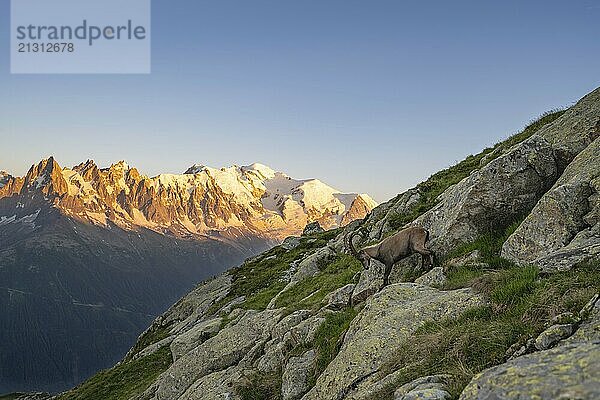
[[394, 248]]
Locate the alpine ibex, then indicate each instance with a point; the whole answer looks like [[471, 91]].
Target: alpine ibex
[[394, 248]]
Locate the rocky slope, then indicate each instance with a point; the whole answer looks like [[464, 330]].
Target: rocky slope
[[510, 311], [89, 256]]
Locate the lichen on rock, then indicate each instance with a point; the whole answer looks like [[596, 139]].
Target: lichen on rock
[[386, 321]]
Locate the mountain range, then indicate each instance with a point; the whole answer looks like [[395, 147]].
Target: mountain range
[[89, 256]]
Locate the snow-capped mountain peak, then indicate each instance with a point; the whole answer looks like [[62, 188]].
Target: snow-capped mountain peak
[[260, 170], [195, 169], [120, 166], [252, 200]]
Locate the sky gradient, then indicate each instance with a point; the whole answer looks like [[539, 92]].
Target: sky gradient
[[368, 96]]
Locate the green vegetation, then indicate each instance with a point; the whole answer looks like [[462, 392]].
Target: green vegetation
[[309, 293], [521, 304], [261, 278], [529, 130], [442, 180], [153, 335], [123, 381], [462, 276], [508, 287], [260, 300], [261, 387], [328, 337], [489, 246]]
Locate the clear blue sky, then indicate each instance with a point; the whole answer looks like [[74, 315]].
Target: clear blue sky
[[370, 96]]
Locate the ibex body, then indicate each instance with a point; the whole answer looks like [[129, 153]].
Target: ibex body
[[394, 248]]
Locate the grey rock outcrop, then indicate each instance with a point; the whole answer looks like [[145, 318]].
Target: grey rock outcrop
[[553, 335], [312, 228], [433, 278], [312, 264], [339, 243], [232, 305], [407, 268], [565, 372], [305, 331], [369, 283], [296, 376], [194, 336], [193, 306], [564, 227], [35, 396], [282, 341], [290, 242], [589, 330], [504, 189], [509, 186], [340, 298], [380, 217], [218, 385], [575, 129], [293, 331], [387, 320], [566, 318], [288, 323], [426, 388], [224, 350]]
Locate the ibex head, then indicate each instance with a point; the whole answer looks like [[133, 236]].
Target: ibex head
[[361, 255]]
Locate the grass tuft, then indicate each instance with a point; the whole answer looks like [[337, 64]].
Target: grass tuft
[[489, 246], [261, 387], [328, 338], [153, 335], [124, 380], [309, 293], [511, 286]]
